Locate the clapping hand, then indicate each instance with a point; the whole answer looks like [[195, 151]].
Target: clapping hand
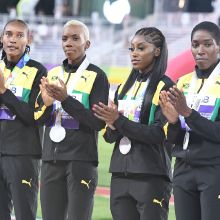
[[57, 92], [47, 99], [109, 114], [178, 100], [2, 83], [167, 108]]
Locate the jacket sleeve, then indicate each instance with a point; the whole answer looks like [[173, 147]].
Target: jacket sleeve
[[175, 133], [149, 134], [42, 114], [204, 127], [111, 136], [85, 116], [24, 111]]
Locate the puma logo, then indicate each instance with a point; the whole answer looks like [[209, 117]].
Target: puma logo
[[54, 78], [25, 74], [85, 78], [26, 182], [85, 183], [186, 85], [158, 202]]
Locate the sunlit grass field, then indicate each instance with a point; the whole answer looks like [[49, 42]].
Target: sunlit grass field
[[101, 206]]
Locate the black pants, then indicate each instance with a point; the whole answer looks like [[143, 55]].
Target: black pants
[[196, 192], [136, 197], [18, 184], [67, 190]]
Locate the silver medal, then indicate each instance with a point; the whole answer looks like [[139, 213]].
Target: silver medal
[[57, 132], [125, 145], [186, 140]]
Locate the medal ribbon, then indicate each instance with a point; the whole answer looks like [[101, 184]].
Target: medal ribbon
[[83, 66], [17, 69], [5, 113], [196, 101], [125, 143]]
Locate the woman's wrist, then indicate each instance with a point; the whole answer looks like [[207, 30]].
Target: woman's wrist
[[2, 91], [187, 112], [111, 126], [173, 122]]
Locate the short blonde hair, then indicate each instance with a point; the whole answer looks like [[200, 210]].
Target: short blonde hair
[[81, 24]]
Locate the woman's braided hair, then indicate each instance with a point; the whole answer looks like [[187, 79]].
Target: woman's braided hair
[[154, 36]]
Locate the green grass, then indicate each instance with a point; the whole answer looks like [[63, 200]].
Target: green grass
[[101, 209], [105, 152], [172, 213]]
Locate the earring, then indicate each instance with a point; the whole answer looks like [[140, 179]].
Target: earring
[[27, 49]]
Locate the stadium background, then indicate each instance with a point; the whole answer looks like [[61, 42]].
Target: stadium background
[[112, 24]]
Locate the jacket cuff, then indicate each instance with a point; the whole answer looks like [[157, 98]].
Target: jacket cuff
[[119, 122], [66, 101], [8, 96], [174, 126], [5, 94], [193, 116]]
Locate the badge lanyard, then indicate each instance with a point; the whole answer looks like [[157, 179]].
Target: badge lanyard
[[195, 102], [141, 95], [5, 113], [57, 132], [125, 143], [15, 71], [74, 80]]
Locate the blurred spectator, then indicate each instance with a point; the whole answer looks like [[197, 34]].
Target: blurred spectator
[[25, 8], [171, 5], [45, 7], [66, 9], [199, 6], [7, 5]]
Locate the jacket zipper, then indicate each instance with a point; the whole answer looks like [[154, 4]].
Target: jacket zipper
[[54, 155]]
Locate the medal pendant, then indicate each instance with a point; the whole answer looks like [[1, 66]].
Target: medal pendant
[[125, 145], [57, 132], [186, 140]]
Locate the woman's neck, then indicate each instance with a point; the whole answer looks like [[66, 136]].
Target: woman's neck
[[148, 69], [77, 61], [205, 73], [13, 59]]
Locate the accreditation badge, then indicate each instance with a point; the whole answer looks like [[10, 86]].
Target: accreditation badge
[[207, 106], [16, 90], [130, 109], [5, 113], [124, 145], [68, 121]]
